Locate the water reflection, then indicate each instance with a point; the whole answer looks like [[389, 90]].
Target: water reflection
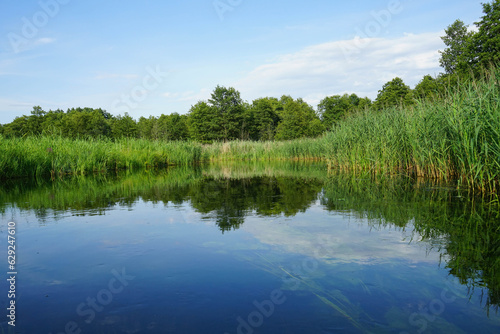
[[460, 230]]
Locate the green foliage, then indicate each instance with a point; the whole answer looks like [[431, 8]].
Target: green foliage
[[298, 120], [123, 126], [263, 118], [487, 39], [229, 109], [166, 127], [221, 118], [393, 94], [334, 108], [173, 127], [468, 51], [459, 49], [429, 88], [203, 125], [146, 127]]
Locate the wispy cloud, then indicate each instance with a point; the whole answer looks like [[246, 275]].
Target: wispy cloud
[[44, 40], [10, 104], [359, 66], [188, 96], [31, 44], [106, 76]]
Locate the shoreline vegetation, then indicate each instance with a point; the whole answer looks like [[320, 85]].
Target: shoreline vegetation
[[452, 138], [446, 128]]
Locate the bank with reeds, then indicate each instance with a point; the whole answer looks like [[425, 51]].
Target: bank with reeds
[[455, 137], [55, 155], [452, 138]]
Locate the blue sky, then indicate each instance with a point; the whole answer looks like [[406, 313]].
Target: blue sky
[[152, 57]]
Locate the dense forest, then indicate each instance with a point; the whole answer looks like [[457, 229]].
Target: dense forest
[[225, 116]]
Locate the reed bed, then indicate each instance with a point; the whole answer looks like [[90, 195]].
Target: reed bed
[[298, 149], [452, 138], [38, 156], [55, 155]]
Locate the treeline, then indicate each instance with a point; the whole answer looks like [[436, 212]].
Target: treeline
[[225, 116]]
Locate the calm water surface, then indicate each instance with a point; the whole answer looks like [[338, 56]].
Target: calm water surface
[[250, 249]]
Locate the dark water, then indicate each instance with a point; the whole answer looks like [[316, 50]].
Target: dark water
[[250, 249]]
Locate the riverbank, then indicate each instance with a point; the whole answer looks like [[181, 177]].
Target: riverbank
[[54, 155], [451, 138]]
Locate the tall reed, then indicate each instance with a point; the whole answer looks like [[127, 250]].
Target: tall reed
[[457, 137], [55, 155]]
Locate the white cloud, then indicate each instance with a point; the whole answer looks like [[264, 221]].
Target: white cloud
[[25, 44], [360, 65], [343, 238], [44, 40]]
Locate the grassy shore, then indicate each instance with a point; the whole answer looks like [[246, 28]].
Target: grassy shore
[[451, 138], [40, 156]]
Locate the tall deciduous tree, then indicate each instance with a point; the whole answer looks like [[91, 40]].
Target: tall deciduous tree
[[145, 127], [230, 109], [487, 39], [394, 93], [203, 122], [334, 108], [458, 55], [263, 118], [468, 51], [298, 120]]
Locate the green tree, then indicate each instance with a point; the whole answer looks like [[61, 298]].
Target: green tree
[[428, 87], [221, 118], [394, 93], [487, 39], [263, 118], [458, 55], [468, 51], [334, 108], [145, 127], [123, 126], [298, 120], [16, 128], [230, 110], [78, 122], [364, 103], [203, 122], [53, 123], [173, 127]]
